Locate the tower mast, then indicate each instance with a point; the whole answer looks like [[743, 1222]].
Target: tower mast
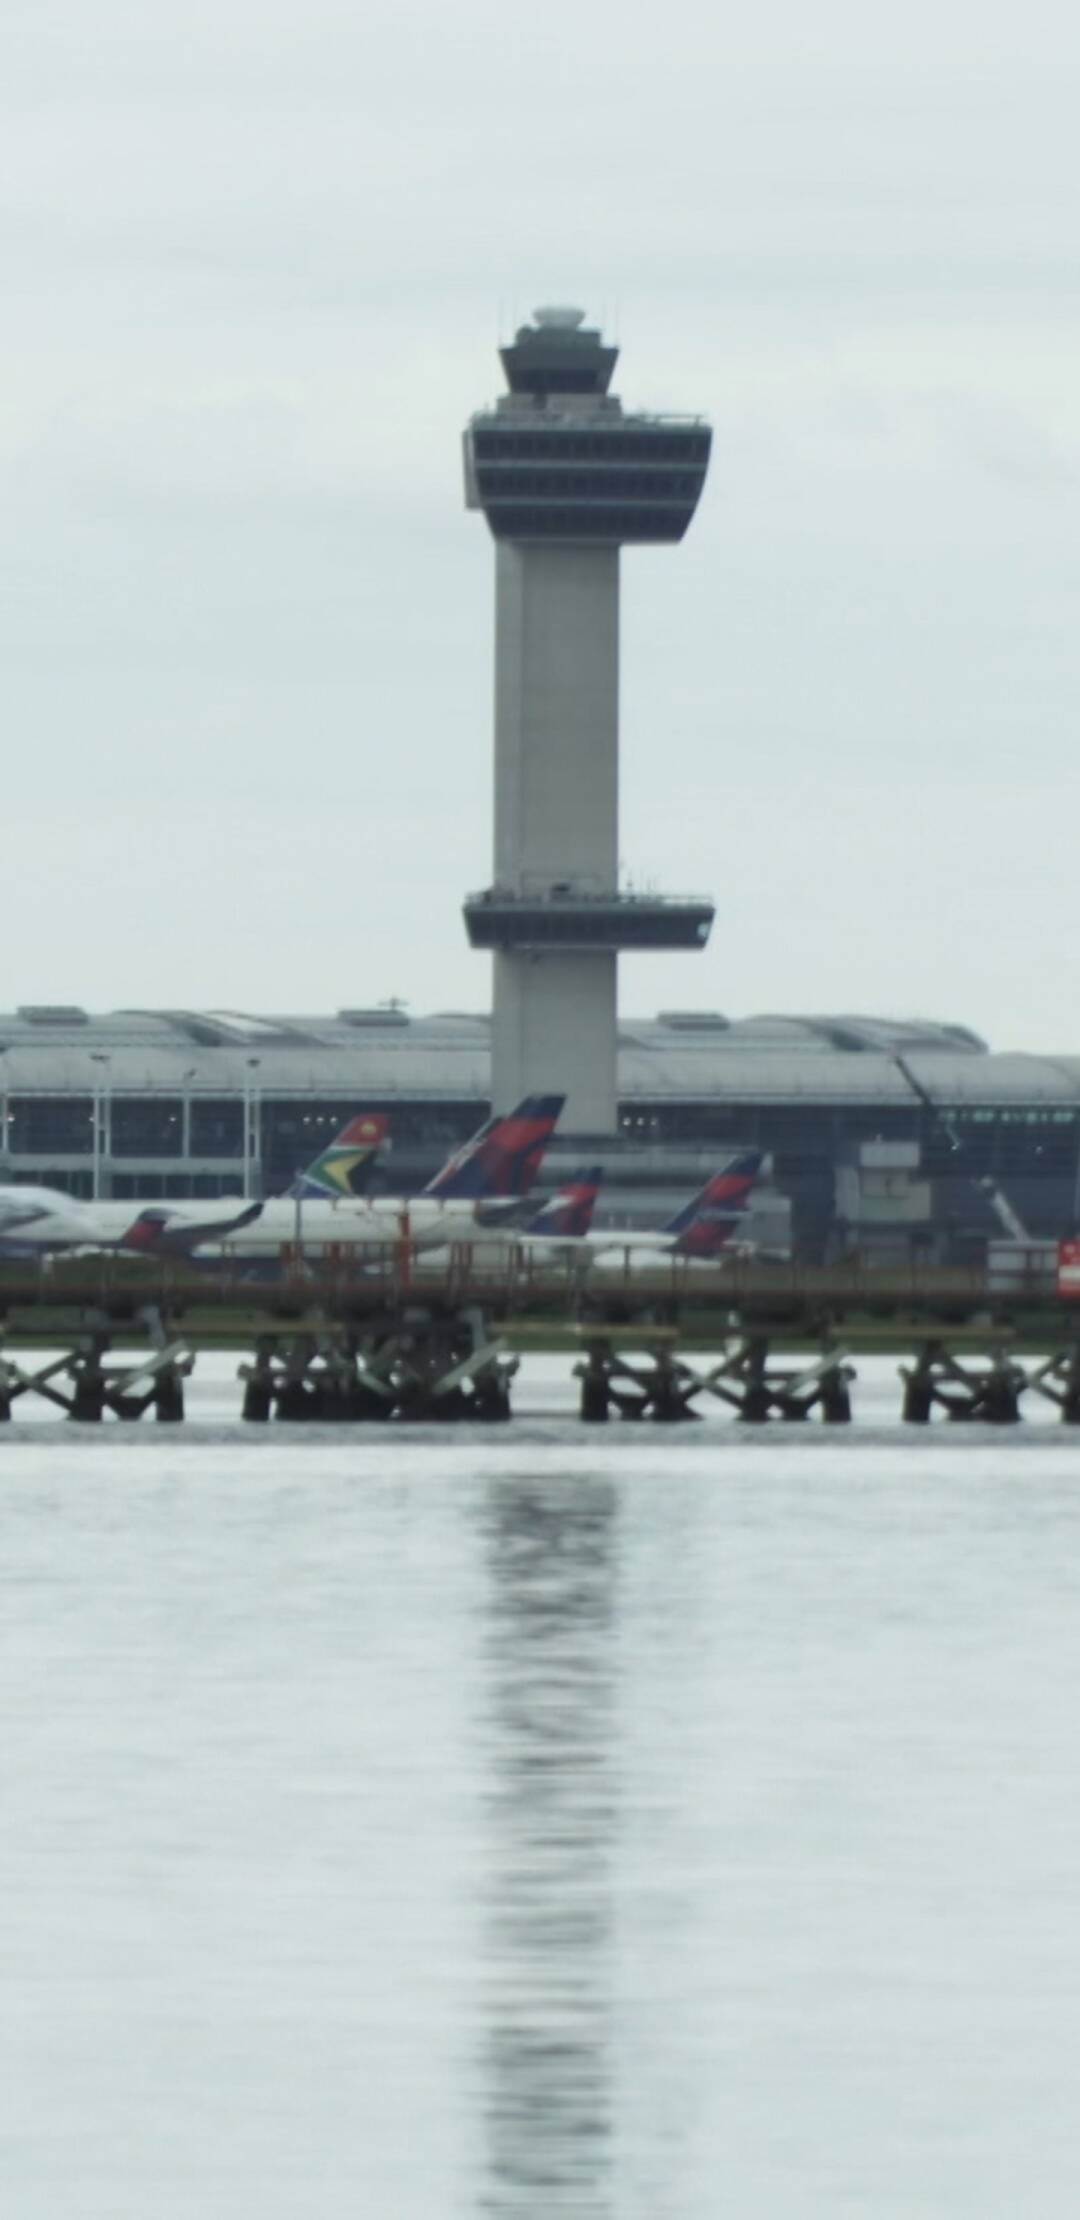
[[565, 479]]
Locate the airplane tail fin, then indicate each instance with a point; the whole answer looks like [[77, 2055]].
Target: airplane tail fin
[[568, 1213], [344, 1167], [706, 1224], [503, 1158]]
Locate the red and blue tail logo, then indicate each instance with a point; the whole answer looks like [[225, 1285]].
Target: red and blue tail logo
[[504, 1157], [707, 1223], [568, 1214]]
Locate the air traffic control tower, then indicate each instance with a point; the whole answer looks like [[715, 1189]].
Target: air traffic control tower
[[565, 479]]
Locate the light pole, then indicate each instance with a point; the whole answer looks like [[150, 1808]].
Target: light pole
[[100, 1057], [4, 1111], [185, 1115], [251, 1126]]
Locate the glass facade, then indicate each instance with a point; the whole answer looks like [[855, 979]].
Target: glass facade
[[665, 445], [623, 481], [1031, 1151], [147, 1125], [217, 1127], [39, 1124]]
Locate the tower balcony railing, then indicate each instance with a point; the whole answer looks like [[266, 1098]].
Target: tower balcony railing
[[608, 418], [566, 917]]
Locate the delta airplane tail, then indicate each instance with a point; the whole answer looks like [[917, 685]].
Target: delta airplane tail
[[568, 1213], [705, 1226], [340, 1171], [503, 1158]]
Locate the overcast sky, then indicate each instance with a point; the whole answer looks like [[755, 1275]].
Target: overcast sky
[[257, 258]]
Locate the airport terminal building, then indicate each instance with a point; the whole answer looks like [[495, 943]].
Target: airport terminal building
[[896, 1138]]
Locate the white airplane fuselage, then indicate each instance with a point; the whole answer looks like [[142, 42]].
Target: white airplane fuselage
[[351, 1224], [46, 1221], [485, 1251], [44, 1218], [609, 1255]]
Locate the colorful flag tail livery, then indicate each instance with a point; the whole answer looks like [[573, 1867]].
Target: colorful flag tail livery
[[568, 1213], [503, 1158], [342, 1169], [707, 1223]]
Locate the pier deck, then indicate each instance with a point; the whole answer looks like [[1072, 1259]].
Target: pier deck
[[217, 1306], [404, 1337]]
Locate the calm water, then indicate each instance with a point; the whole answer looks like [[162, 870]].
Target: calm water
[[637, 1826]]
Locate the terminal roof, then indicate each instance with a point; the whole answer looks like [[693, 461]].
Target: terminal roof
[[387, 1053]]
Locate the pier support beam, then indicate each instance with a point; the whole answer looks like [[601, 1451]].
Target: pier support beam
[[415, 1366], [758, 1390], [1059, 1381], [658, 1386], [662, 1386], [987, 1393], [86, 1384]]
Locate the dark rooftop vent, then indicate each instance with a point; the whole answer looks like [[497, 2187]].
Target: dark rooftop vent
[[203, 1031], [51, 1013], [843, 1036]]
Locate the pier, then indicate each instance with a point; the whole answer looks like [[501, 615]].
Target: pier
[[402, 1337]]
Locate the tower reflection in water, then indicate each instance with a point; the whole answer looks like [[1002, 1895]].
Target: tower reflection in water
[[549, 1724]]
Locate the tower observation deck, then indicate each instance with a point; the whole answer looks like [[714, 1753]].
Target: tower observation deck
[[565, 477]]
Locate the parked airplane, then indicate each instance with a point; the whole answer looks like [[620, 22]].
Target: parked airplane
[[340, 1169], [45, 1220], [561, 1226], [499, 1163], [568, 1213], [40, 1221], [704, 1229], [492, 1171]]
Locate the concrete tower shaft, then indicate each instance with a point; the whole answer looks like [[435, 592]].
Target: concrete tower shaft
[[556, 1012], [565, 478], [556, 717]]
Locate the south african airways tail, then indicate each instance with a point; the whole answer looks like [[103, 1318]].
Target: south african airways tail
[[343, 1169]]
